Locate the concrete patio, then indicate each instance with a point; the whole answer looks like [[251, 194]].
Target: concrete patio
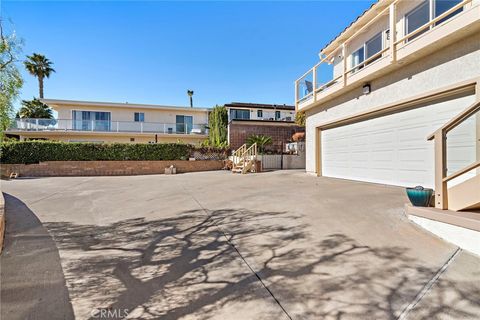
[[276, 245]]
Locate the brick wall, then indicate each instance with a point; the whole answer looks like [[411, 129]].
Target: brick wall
[[107, 168], [280, 133]]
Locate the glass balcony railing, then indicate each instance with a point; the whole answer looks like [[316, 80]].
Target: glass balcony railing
[[352, 67], [106, 126]]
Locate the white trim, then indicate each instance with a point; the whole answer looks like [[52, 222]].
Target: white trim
[[66, 103]]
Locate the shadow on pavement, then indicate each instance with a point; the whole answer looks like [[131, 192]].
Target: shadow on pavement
[[185, 265], [32, 281]]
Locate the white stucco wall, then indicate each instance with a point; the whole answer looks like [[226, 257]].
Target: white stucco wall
[[453, 64]]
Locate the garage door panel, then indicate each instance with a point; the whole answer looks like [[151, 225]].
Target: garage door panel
[[393, 149]]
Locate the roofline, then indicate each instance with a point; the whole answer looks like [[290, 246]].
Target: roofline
[[60, 102], [359, 22], [246, 105]]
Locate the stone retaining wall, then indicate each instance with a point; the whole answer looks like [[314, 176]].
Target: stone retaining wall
[[106, 168]]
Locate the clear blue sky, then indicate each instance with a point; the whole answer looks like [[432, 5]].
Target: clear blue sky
[[152, 52]]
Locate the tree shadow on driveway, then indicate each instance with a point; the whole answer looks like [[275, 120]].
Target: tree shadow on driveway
[[198, 266], [32, 282]]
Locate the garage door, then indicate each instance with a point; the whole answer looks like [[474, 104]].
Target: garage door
[[393, 149]]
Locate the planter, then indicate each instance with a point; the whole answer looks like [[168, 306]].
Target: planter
[[419, 196], [258, 166]]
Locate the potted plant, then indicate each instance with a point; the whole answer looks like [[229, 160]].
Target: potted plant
[[420, 196]]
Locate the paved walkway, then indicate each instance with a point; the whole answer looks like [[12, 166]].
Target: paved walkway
[[279, 245]]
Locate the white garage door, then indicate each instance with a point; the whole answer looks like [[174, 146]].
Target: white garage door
[[393, 149]]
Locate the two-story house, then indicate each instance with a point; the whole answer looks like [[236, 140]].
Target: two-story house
[[395, 100], [275, 121], [86, 121]]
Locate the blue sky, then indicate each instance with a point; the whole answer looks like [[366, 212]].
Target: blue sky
[[152, 52]]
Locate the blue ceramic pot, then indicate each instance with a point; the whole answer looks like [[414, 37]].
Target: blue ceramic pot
[[419, 196]]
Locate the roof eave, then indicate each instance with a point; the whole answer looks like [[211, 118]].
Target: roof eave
[[350, 30]]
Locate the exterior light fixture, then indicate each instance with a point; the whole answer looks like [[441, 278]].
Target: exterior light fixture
[[366, 89]]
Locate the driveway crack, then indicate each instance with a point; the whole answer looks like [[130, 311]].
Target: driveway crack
[[225, 235], [426, 288]]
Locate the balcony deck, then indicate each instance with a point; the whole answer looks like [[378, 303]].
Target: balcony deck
[[397, 54], [104, 127]]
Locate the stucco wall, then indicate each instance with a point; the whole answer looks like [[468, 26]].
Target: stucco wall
[[455, 63], [124, 138], [127, 114]]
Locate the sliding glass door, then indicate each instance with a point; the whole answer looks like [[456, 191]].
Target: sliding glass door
[[91, 121], [184, 124]]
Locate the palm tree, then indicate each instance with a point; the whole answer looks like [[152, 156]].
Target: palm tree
[[39, 66], [190, 94], [35, 109], [261, 141]]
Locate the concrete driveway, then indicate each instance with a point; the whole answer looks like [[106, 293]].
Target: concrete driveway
[[278, 245]]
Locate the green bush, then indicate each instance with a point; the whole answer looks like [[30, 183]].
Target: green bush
[[38, 151]]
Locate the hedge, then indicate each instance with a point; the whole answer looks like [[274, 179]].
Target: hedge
[[37, 151]]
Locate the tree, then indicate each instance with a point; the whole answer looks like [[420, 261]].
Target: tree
[[39, 66], [10, 79], [218, 123], [300, 118], [190, 94], [261, 141], [35, 109]]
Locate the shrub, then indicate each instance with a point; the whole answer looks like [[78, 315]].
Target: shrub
[[38, 151]]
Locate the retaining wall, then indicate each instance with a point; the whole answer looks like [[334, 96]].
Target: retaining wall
[[106, 168]]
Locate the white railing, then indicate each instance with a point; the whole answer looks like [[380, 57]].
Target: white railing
[[307, 86], [245, 158], [440, 147], [25, 124]]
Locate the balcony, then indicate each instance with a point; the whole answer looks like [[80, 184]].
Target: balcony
[[317, 86], [66, 125]]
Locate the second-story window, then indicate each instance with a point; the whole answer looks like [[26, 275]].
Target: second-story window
[[277, 115], [139, 117], [259, 113], [239, 114], [416, 18], [442, 6], [357, 58], [373, 46]]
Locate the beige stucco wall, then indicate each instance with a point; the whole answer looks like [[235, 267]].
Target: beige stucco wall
[[457, 62], [267, 113], [127, 114], [111, 138]]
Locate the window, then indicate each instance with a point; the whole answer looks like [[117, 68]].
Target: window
[[357, 58], [277, 115], [259, 113], [417, 18], [139, 117], [91, 120], [373, 46], [184, 124], [239, 114], [442, 6]]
